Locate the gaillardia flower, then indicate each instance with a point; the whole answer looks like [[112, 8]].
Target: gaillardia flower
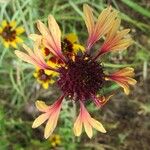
[[9, 33], [81, 77]]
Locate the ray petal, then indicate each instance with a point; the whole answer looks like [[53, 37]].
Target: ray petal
[[34, 37], [55, 31], [41, 106], [78, 126], [131, 81], [88, 18], [97, 125], [114, 29], [125, 87], [41, 119], [128, 71], [51, 124], [19, 30], [88, 129], [42, 28], [25, 57]]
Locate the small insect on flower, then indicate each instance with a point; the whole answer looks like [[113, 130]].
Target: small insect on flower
[[69, 44], [9, 34], [81, 77]]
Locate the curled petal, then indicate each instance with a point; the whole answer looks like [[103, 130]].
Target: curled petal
[[125, 87], [123, 78], [131, 81], [128, 71], [51, 113], [31, 60], [101, 100]]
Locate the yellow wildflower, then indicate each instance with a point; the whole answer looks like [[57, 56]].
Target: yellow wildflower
[[55, 140], [43, 78], [10, 33]]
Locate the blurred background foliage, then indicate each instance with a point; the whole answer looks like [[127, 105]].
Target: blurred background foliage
[[126, 118]]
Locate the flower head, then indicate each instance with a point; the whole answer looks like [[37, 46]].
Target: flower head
[[81, 77], [55, 140], [44, 78], [9, 34]]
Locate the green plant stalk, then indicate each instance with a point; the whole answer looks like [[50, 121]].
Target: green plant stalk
[[137, 8]]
